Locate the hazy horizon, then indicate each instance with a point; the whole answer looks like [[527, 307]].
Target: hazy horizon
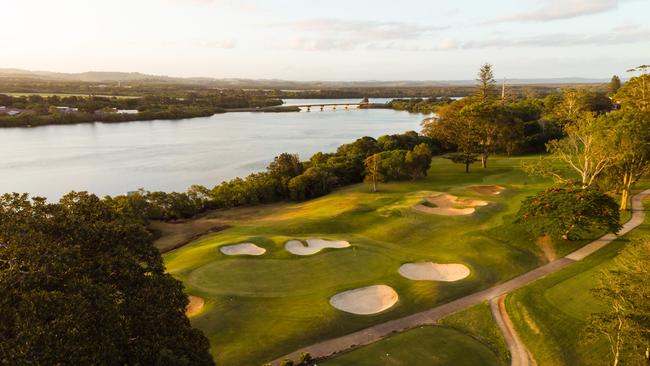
[[330, 41]]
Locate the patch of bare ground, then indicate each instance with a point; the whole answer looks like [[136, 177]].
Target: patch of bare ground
[[174, 235], [488, 190], [546, 245], [195, 306], [449, 205]]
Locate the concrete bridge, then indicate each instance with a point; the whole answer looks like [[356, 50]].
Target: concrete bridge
[[321, 106]]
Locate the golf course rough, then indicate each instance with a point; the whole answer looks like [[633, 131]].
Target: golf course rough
[[242, 249], [365, 300], [429, 271], [449, 205], [313, 246]]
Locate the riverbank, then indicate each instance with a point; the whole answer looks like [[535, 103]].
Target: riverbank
[[171, 155], [33, 120]]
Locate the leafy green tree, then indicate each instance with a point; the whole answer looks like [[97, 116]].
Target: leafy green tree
[[569, 212], [283, 168], [587, 149], [373, 171], [631, 139], [624, 292], [614, 85], [454, 128], [418, 161], [635, 93], [82, 284], [486, 87], [489, 123]]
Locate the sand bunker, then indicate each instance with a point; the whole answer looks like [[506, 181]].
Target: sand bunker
[[365, 300], [449, 205], [242, 249], [488, 190], [428, 271], [195, 306], [313, 246]]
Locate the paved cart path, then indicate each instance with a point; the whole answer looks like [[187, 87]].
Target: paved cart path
[[519, 354], [429, 317]]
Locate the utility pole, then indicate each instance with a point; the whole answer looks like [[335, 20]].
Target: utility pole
[[503, 89]]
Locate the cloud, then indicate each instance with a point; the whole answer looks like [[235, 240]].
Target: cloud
[[242, 5], [219, 43], [560, 9], [619, 35], [330, 34]]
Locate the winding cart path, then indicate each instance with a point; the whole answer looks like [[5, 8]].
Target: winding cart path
[[429, 317]]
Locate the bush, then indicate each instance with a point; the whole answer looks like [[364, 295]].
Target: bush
[[569, 212]]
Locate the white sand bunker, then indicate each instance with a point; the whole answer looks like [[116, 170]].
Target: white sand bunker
[[428, 271], [242, 249], [195, 306], [488, 190], [313, 246], [449, 205], [365, 300]]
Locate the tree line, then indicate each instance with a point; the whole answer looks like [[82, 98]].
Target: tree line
[[602, 152], [41, 110], [401, 157], [419, 105]]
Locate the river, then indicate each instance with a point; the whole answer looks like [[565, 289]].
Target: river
[[172, 155]]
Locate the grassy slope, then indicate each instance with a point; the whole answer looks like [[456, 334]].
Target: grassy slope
[[262, 307], [550, 314], [420, 346], [469, 337]]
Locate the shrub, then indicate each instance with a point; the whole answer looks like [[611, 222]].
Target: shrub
[[569, 212]]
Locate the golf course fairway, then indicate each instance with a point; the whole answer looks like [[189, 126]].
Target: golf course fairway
[[258, 308]]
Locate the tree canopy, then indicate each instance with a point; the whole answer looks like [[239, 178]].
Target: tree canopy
[[82, 284], [569, 212]]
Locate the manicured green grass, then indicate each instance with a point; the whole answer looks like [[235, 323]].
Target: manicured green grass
[[469, 337], [259, 308], [421, 346], [550, 315], [479, 323]]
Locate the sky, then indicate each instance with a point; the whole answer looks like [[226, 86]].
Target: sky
[[328, 39]]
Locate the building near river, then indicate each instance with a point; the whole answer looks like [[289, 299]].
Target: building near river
[[63, 109], [10, 111]]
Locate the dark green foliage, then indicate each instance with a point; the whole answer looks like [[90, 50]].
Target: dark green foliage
[[419, 105], [485, 88], [614, 85], [418, 161], [286, 362], [82, 284], [408, 156], [569, 212]]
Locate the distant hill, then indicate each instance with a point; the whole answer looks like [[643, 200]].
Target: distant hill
[[107, 76]]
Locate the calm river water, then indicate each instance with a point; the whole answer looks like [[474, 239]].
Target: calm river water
[[172, 155]]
